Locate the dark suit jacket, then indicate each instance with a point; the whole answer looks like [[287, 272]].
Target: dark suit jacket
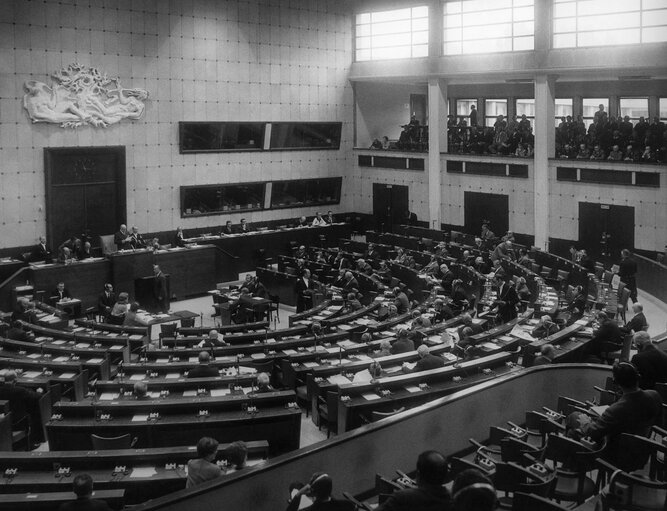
[[507, 310], [636, 324], [40, 253], [65, 294], [429, 362], [178, 241], [651, 363], [85, 504], [226, 230], [118, 238], [160, 286], [402, 303], [634, 413], [402, 346], [22, 401], [304, 296], [241, 230], [203, 371], [104, 304], [422, 499]]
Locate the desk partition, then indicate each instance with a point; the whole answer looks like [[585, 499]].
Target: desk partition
[[353, 458]]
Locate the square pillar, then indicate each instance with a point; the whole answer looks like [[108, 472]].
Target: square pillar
[[545, 148], [437, 143]]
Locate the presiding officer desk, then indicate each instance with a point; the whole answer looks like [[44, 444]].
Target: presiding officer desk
[[142, 473], [271, 416]]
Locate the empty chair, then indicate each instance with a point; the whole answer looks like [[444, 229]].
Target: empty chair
[[187, 322], [101, 443], [633, 493], [168, 329], [512, 477]]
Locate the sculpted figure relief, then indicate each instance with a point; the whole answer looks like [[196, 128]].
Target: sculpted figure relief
[[81, 95]]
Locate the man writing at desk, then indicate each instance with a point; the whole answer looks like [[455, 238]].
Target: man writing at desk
[[60, 293]]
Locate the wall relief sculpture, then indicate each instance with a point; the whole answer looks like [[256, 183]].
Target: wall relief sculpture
[[81, 95]]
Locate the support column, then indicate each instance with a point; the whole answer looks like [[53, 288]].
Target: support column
[[545, 148], [437, 143]]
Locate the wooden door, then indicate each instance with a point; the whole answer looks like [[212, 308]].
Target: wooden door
[[85, 192], [390, 202], [618, 222], [486, 206]]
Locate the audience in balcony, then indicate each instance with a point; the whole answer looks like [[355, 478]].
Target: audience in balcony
[[607, 135], [505, 138]]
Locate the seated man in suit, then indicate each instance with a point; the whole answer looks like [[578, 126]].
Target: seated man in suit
[[426, 361], [60, 293], [607, 334], [86, 252], [41, 251], [140, 390], [122, 238], [430, 494], [402, 344], [203, 370], [353, 304], [82, 486], [546, 356], [329, 218], [203, 468], [215, 339], [319, 491], [244, 227], [131, 318], [638, 321], [24, 310], [401, 301], [318, 221], [227, 229], [179, 238], [264, 383], [650, 361], [136, 240], [16, 333], [243, 309]]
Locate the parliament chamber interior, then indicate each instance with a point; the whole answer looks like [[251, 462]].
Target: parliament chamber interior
[[304, 254]]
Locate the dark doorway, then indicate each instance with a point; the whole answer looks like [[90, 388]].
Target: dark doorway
[[486, 206], [390, 203], [617, 221], [418, 108], [85, 192]]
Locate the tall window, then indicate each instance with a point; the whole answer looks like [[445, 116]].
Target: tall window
[[463, 108], [563, 108], [634, 108], [663, 109], [487, 26], [526, 107], [397, 34], [493, 108], [578, 23], [592, 105]]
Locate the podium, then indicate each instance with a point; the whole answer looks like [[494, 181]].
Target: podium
[[143, 293]]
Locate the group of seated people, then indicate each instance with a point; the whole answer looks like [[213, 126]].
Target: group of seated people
[[611, 138], [507, 138], [72, 249]]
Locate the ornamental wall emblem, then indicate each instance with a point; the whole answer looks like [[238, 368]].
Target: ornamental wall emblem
[[81, 95]]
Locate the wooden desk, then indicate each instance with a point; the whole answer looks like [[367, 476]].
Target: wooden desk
[[8, 266], [52, 501], [279, 425], [84, 279]]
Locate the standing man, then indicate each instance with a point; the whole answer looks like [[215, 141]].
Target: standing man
[[304, 289], [160, 288], [41, 252], [106, 300], [627, 272], [507, 300], [472, 118]]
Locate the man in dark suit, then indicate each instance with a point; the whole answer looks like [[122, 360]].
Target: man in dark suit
[[122, 238], [650, 361], [86, 252], [350, 284], [638, 321], [203, 370], [60, 293], [227, 229], [607, 332], [401, 301], [544, 328], [466, 321], [41, 251], [83, 488], [627, 271], [507, 300], [160, 288], [403, 344], [635, 412], [16, 333], [329, 218], [106, 300], [426, 360], [244, 227], [179, 238], [214, 340], [304, 289], [430, 494]]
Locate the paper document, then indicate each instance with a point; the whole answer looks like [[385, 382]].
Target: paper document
[[370, 396], [140, 418], [31, 374], [189, 393], [109, 396], [137, 376], [338, 379], [412, 388], [67, 375], [219, 392], [172, 376]]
